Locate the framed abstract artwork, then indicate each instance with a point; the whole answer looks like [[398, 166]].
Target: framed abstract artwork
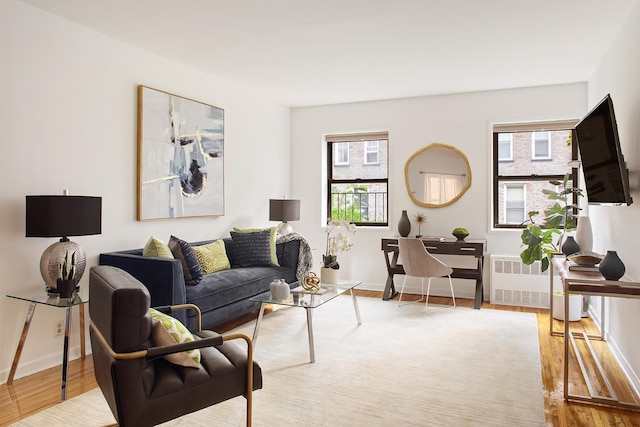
[[180, 157]]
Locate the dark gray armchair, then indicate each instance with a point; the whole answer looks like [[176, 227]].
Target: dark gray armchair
[[142, 388]]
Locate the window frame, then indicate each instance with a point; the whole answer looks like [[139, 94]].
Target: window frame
[[339, 147], [497, 179], [330, 140], [523, 187], [510, 158]]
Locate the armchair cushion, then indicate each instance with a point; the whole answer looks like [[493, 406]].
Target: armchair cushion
[[167, 330]]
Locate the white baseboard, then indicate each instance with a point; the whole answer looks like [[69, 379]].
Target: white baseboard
[[40, 364]]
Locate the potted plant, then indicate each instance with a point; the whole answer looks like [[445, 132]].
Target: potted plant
[[66, 284], [559, 219], [335, 244]]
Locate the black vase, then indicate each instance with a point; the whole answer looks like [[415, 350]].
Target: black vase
[[611, 267], [570, 246], [404, 225]]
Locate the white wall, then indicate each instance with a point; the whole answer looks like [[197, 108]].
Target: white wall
[[617, 228], [69, 122], [461, 120]]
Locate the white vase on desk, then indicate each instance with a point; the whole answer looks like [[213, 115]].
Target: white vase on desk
[[584, 234]]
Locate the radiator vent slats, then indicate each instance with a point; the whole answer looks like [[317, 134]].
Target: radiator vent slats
[[515, 283]]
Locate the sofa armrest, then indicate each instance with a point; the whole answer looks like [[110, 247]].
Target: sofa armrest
[[161, 276], [288, 253]]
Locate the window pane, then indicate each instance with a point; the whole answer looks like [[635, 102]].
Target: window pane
[[504, 146], [359, 202], [523, 197], [358, 167], [522, 153], [341, 153], [541, 145]]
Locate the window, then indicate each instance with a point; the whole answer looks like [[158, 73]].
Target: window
[[357, 190], [518, 174], [341, 153], [505, 149], [514, 203], [541, 146], [371, 154]]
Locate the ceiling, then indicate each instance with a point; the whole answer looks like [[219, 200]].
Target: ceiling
[[314, 52]]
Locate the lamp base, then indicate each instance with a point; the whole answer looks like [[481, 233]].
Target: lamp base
[[54, 255], [284, 228]]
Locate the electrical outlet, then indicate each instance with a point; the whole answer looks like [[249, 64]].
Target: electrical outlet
[[58, 329]]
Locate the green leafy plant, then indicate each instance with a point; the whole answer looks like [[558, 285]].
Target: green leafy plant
[[460, 230], [559, 219]]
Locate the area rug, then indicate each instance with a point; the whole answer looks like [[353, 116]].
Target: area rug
[[402, 367]]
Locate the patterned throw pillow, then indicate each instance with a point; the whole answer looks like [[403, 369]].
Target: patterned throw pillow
[[252, 249], [272, 240], [190, 265], [156, 248], [212, 257], [167, 330]]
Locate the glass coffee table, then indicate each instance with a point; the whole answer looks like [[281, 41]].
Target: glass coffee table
[[39, 296], [308, 300]]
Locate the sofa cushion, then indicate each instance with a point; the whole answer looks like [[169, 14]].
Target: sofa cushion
[[167, 330], [157, 248], [190, 265], [252, 248], [272, 239], [212, 257]]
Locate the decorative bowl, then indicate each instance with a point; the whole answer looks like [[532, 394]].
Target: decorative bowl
[[460, 236], [585, 258]]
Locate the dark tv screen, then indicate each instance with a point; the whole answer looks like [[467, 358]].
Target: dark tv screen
[[605, 172]]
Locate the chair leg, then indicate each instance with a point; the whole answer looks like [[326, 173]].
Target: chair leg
[[428, 291], [402, 290], [452, 294]]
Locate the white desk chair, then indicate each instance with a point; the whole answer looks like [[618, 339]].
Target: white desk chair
[[418, 262]]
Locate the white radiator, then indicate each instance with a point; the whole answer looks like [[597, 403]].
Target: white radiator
[[515, 283]]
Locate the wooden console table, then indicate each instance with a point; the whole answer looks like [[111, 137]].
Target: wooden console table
[[475, 248], [594, 285]]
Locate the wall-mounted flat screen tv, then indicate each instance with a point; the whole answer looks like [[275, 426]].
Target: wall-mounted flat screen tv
[[605, 173]]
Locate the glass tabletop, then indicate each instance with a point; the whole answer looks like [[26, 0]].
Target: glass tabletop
[[40, 295], [302, 298]]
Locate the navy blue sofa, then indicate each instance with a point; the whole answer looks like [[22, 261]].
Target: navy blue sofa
[[221, 296]]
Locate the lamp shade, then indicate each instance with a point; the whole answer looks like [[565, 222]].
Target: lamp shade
[[63, 216], [284, 210]]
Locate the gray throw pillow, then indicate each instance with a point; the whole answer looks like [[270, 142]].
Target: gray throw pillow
[[252, 249]]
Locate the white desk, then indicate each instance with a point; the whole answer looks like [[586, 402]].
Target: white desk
[[594, 285]]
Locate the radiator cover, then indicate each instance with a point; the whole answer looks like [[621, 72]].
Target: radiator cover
[[515, 283]]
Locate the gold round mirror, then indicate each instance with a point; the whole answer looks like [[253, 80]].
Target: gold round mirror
[[437, 175]]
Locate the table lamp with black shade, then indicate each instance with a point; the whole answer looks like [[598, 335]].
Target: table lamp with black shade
[[284, 210], [63, 216]]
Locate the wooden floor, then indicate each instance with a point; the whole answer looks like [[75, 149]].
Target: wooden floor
[[42, 390]]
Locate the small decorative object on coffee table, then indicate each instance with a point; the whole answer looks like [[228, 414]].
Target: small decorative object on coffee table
[[460, 233], [310, 281]]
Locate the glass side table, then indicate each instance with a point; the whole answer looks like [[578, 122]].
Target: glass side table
[[35, 296]]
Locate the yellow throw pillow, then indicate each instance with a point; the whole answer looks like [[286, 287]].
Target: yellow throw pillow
[[272, 240], [212, 257], [157, 248], [167, 330]]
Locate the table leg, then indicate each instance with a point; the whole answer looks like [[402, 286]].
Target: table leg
[[312, 353], [65, 355], [355, 306], [23, 337], [567, 338], [82, 337], [257, 327], [479, 291]]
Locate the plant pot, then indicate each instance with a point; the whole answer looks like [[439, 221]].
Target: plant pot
[[575, 306], [328, 276], [66, 288]]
